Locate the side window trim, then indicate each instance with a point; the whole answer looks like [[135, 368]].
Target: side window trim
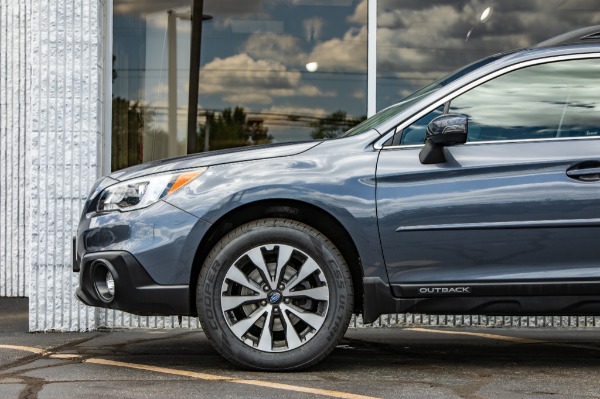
[[379, 144]]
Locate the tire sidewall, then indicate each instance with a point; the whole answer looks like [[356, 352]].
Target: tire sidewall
[[274, 231]]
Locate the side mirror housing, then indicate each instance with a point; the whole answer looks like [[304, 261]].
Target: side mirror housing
[[445, 130]]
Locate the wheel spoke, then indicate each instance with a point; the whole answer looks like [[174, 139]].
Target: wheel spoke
[[312, 319], [255, 279], [256, 257], [309, 267], [237, 276], [283, 257], [232, 302], [318, 293], [241, 327], [291, 336], [266, 338]]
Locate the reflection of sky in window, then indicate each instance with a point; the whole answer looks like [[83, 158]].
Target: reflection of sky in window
[[255, 52], [254, 55], [550, 100], [419, 41]]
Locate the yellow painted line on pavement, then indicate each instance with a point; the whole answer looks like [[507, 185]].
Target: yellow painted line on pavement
[[214, 377], [507, 338], [64, 356], [481, 335], [296, 388], [24, 349], [193, 374], [164, 370]]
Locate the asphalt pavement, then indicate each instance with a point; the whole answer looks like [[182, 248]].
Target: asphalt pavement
[[420, 362]]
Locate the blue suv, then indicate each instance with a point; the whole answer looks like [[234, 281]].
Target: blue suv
[[478, 194]]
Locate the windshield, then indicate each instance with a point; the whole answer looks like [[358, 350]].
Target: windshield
[[389, 112]]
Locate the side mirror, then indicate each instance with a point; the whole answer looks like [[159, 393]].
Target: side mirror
[[445, 130]]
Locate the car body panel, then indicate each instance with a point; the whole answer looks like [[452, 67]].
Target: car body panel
[[504, 212], [161, 237], [337, 177], [214, 158]]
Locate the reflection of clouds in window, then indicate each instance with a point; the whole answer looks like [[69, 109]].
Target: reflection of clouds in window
[[281, 48], [234, 8], [268, 65], [334, 3], [242, 80], [428, 36], [313, 27], [340, 54], [361, 13], [552, 100], [336, 54], [261, 68], [250, 26]]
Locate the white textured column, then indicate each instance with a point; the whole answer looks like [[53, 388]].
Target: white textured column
[[63, 149], [14, 70]]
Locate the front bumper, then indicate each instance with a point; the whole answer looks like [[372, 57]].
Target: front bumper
[[135, 291]]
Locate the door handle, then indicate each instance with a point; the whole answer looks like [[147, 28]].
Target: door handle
[[586, 171]]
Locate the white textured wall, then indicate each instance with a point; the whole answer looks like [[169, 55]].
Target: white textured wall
[[62, 152], [14, 71]]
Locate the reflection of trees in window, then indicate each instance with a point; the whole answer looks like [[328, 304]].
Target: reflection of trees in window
[[131, 122], [333, 125], [233, 128]]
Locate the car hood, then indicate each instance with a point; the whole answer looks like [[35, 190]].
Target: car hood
[[214, 158]]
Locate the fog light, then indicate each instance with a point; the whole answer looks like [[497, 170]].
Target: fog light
[[110, 284], [103, 280]]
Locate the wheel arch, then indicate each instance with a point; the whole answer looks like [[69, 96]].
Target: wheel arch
[[300, 211]]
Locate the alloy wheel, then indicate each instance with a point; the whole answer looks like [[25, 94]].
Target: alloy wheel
[[275, 298]]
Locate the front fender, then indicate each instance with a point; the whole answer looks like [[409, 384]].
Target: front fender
[[341, 185]]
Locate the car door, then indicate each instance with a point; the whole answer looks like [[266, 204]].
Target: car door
[[515, 210]]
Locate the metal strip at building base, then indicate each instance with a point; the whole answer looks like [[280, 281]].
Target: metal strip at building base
[[109, 319], [411, 320]]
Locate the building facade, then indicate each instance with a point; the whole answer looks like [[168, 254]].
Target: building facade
[[91, 86]]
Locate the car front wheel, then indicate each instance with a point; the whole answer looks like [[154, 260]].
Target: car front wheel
[[274, 294]]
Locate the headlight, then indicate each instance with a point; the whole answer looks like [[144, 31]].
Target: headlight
[[144, 191]]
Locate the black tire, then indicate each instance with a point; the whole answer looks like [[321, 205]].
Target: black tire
[[305, 345]]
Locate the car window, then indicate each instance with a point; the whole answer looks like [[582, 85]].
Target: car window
[[415, 133], [558, 99], [391, 111]]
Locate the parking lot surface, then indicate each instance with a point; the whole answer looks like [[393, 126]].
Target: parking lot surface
[[420, 362]]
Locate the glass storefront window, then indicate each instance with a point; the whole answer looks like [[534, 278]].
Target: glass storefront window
[[151, 47], [275, 71], [421, 41], [270, 71]]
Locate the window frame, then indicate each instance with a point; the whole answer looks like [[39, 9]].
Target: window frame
[[105, 153]]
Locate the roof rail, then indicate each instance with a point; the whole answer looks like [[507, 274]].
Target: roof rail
[[579, 36]]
